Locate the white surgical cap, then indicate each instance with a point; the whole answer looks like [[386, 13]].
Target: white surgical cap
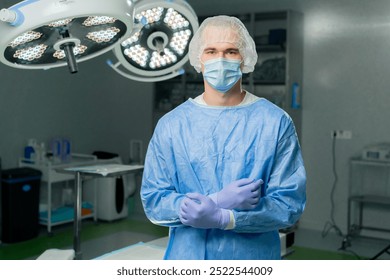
[[223, 29]]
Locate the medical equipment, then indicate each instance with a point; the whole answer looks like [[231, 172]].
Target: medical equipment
[[49, 217], [378, 152], [42, 34], [112, 193], [99, 170], [157, 49]]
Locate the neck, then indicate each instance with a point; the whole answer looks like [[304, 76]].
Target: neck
[[232, 97]]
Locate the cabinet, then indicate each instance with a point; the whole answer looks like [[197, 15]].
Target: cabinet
[[369, 199], [277, 76], [59, 215]]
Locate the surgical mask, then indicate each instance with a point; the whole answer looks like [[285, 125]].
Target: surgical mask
[[222, 74]]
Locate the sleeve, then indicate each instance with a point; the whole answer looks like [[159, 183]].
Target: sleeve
[[159, 196], [285, 192]]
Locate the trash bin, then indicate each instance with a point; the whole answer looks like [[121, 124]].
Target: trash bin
[[19, 204]]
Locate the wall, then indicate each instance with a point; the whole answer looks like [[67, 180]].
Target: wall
[[346, 86]]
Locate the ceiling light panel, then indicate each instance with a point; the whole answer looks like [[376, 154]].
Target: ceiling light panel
[[90, 27], [175, 26], [158, 45]]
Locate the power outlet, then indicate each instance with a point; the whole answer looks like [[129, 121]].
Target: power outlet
[[341, 134]]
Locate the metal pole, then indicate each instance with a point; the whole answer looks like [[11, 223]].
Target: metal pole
[[77, 218]]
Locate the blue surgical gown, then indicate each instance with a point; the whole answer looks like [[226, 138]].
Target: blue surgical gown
[[198, 148]]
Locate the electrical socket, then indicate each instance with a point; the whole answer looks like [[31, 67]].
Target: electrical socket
[[341, 134]]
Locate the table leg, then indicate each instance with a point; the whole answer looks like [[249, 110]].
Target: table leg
[[77, 217]]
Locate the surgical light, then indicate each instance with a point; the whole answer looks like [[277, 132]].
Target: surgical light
[[42, 34], [157, 49]]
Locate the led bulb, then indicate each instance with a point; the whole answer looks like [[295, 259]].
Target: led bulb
[[98, 20], [31, 53], [25, 38], [80, 49], [180, 41], [149, 16], [103, 35], [138, 54], [161, 60], [60, 23], [131, 40], [175, 20]]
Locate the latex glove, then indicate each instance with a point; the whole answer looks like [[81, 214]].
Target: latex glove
[[243, 194], [199, 211]]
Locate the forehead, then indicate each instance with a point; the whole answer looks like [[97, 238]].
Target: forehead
[[219, 34]]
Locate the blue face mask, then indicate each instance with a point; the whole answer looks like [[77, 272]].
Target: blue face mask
[[222, 74]]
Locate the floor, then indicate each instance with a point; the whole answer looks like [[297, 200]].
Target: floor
[[357, 248], [100, 238]]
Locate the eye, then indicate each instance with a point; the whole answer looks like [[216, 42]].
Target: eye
[[209, 51], [233, 52]]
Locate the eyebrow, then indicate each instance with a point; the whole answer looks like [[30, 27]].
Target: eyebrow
[[228, 49]]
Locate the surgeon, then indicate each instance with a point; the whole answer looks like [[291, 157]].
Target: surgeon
[[224, 170]]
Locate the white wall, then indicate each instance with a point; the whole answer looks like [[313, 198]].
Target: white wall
[[346, 86]]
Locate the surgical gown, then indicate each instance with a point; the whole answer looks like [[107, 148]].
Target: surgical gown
[[198, 148]]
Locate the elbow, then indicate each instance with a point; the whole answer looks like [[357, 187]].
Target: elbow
[[294, 214]]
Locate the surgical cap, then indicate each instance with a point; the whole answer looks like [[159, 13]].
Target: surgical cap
[[223, 29]]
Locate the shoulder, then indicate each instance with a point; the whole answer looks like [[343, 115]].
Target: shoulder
[[174, 116], [275, 119], [268, 110], [178, 112]]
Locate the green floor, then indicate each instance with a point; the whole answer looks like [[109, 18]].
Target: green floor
[[63, 238], [301, 253]]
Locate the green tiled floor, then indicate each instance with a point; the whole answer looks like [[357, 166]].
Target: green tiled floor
[[63, 237]]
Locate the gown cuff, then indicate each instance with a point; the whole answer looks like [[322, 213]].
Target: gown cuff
[[232, 221]]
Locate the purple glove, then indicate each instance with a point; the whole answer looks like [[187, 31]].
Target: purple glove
[[199, 211], [243, 194]]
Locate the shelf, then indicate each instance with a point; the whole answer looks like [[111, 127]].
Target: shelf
[[369, 198], [372, 199], [200, 81], [63, 215], [359, 161], [267, 16], [268, 83], [44, 222], [271, 48], [50, 176]]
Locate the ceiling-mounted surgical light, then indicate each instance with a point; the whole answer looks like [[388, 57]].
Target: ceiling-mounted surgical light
[[157, 49], [42, 34]]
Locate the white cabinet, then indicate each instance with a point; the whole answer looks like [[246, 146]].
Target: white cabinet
[[50, 177]]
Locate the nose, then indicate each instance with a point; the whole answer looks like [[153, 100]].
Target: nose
[[221, 54]]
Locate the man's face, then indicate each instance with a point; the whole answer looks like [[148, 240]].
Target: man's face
[[219, 44]]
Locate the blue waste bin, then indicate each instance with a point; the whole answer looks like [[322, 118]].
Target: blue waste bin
[[19, 204]]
